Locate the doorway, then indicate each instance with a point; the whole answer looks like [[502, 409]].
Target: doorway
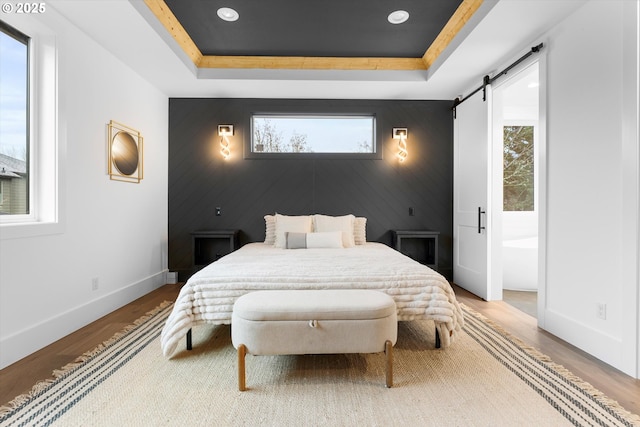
[[516, 130]]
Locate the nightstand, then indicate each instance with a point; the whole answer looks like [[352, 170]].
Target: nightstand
[[421, 245], [210, 245]]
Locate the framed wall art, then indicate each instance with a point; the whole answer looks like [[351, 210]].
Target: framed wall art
[[125, 153]]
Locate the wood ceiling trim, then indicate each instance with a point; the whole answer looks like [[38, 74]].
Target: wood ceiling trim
[[175, 28], [162, 12], [458, 20], [311, 63]]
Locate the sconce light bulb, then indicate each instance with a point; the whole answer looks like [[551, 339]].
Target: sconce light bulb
[[402, 149], [224, 148]]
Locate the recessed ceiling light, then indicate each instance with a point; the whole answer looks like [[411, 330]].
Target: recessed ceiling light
[[398, 17], [228, 14]]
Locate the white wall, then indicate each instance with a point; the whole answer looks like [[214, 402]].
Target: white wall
[[592, 182], [110, 230]]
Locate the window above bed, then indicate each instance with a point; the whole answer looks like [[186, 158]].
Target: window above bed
[[313, 135]]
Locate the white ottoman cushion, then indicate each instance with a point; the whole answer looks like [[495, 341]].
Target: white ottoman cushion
[[314, 322]]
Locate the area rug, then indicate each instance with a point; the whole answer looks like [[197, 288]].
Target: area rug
[[486, 378]]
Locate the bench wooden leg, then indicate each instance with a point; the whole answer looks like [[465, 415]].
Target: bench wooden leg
[[242, 351], [388, 350]]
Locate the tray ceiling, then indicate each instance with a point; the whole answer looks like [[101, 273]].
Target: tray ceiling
[[332, 34]]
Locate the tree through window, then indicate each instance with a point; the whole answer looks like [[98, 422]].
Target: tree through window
[[275, 133], [518, 179]]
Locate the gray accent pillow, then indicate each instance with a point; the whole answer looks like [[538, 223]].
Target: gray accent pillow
[[295, 240]]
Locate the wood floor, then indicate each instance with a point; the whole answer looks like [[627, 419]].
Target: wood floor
[[20, 377], [522, 300]]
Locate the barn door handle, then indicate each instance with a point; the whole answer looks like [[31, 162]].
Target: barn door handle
[[480, 227]]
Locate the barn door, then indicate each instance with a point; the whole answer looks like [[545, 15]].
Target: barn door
[[471, 269]]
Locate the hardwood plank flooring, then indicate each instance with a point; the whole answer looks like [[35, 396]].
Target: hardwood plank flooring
[[522, 300], [20, 376]]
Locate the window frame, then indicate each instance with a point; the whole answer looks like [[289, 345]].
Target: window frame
[[376, 154], [47, 151]]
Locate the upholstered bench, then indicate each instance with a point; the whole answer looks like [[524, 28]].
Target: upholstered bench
[[314, 322]]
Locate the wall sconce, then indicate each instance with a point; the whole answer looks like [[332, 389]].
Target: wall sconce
[[401, 135], [225, 131]]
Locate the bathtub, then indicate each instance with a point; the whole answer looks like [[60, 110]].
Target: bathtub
[[520, 264]]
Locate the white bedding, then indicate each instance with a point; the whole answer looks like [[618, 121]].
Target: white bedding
[[209, 295]]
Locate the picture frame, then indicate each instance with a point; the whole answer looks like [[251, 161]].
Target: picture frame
[[125, 160]]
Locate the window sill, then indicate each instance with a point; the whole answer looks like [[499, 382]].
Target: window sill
[[29, 229]]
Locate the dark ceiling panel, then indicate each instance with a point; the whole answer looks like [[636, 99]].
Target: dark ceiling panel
[[352, 28]]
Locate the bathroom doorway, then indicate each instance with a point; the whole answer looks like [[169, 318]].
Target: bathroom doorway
[[516, 123]]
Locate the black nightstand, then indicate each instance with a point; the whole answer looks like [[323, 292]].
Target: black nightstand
[[421, 245], [210, 245]]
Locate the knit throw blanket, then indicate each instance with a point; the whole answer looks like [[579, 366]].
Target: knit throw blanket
[[209, 295]]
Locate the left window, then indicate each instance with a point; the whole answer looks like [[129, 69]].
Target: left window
[[15, 147], [31, 151]]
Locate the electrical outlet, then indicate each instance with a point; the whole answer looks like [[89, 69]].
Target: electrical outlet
[[95, 284], [172, 278], [602, 311], [218, 211]]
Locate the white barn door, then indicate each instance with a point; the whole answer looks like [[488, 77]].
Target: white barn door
[[471, 195]]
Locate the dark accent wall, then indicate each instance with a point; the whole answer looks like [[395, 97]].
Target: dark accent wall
[[246, 189]]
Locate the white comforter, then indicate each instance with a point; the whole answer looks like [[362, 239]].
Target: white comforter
[[209, 295]]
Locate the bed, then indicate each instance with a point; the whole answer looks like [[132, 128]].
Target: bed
[[318, 261]]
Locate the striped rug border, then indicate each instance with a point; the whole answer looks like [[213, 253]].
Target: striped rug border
[[577, 400], [50, 399]]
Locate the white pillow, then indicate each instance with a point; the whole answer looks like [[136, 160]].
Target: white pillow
[[270, 229], [330, 239], [344, 224], [296, 224], [360, 230]]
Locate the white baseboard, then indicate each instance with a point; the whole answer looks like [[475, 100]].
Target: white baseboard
[[29, 340], [600, 345]]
